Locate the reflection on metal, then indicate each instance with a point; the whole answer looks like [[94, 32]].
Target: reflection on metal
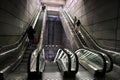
[[36, 18], [42, 31], [91, 60], [33, 61], [73, 60], [93, 67], [62, 58], [2, 71]]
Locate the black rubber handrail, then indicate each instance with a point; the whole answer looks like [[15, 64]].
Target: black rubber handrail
[[38, 61], [110, 59], [37, 64], [76, 62], [29, 62], [69, 60]]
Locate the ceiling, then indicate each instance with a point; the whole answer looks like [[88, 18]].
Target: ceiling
[[53, 2], [53, 5]]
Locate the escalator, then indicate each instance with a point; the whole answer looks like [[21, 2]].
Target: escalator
[[52, 43], [92, 64], [19, 71], [61, 68], [89, 54], [50, 70], [83, 64], [58, 69], [96, 70]]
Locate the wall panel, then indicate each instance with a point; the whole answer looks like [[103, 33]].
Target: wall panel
[[100, 19], [15, 16]]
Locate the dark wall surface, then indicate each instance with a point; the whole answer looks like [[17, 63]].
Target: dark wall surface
[[15, 16], [101, 18]]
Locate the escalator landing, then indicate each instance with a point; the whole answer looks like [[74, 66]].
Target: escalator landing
[[51, 72], [51, 67], [52, 76]]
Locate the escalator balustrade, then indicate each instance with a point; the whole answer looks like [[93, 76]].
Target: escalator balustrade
[[93, 61]]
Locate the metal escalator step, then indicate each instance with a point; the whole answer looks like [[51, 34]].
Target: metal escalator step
[[26, 56], [31, 47], [52, 76], [25, 60], [17, 76], [28, 51]]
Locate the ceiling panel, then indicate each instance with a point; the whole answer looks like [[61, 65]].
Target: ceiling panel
[[53, 2]]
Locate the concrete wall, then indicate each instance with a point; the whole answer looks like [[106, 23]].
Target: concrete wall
[[101, 18], [15, 15]]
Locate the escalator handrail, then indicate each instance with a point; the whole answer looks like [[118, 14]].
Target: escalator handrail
[[77, 63], [69, 60], [110, 59], [34, 54], [8, 48], [29, 62], [76, 58], [38, 63]]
